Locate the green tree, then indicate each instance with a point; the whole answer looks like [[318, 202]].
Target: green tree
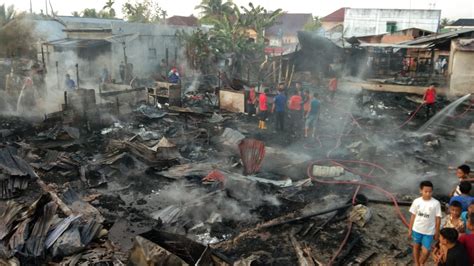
[[75, 14], [444, 22], [108, 10], [6, 14], [146, 11], [211, 10], [199, 53], [90, 13], [313, 25], [17, 38], [258, 18]]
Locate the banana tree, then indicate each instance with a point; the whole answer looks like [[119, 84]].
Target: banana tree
[[258, 18]]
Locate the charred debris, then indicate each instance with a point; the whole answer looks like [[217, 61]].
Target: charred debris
[[145, 183]]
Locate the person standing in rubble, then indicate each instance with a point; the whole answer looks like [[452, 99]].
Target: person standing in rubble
[[26, 99], [279, 108], [173, 76], [104, 76], [429, 100], [69, 83], [262, 109], [251, 101], [312, 116], [332, 87], [294, 107], [122, 72]]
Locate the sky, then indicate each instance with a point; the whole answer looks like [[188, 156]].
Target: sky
[[452, 9]]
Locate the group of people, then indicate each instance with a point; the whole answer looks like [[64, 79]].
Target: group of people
[[291, 108], [450, 240]]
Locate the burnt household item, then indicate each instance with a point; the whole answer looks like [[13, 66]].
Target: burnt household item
[[164, 92], [252, 152]]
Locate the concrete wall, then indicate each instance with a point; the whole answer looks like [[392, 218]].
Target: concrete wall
[[328, 25], [89, 35], [147, 50], [461, 71], [363, 22]]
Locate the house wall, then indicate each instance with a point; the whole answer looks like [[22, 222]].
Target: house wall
[[286, 39], [461, 71], [328, 25], [147, 50], [363, 22], [89, 35]]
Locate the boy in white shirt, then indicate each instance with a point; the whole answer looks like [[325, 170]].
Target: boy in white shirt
[[424, 223]]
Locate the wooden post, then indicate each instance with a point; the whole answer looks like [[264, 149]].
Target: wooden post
[[65, 100], [291, 76], [57, 74], [274, 71], [77, 75], [287, 71], [42, 59], [176, 56], [167, 58], [248, 75], [279, 70]]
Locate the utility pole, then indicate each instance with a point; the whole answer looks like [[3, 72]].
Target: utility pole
[[31, 7]]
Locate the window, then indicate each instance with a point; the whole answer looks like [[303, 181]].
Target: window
[[151, 53], [391, 27]]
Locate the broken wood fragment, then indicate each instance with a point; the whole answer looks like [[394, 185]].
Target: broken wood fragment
[[304, 257]]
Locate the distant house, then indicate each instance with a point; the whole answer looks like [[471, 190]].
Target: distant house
[[190, 21], [461, 66], [358, 22], [395, 37], [462, 23], [367, 21], [285, 31], [333, 20]]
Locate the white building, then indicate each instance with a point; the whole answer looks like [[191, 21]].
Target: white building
[[367, 21]]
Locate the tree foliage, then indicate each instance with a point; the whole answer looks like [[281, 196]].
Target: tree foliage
[[211, 10], [108, 9], [17, 38], [444, 22], [313, 25], [229, 36], [6, 14], [146, 11], [258, 18]]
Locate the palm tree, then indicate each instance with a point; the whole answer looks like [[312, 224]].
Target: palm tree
[[6, 14], [109, 7], [214, 9]]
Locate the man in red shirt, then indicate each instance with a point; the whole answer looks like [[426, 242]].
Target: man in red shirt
[[294, 107], [332, 87], [429, 100], [251, 101], [467, 240], [263, 109]]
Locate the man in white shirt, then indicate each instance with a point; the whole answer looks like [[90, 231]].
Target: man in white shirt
[[424, 223]]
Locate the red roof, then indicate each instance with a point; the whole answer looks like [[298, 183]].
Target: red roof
[[182, 21], [336, 16]]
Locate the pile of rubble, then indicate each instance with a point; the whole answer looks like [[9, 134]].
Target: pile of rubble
[[185, 186]]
